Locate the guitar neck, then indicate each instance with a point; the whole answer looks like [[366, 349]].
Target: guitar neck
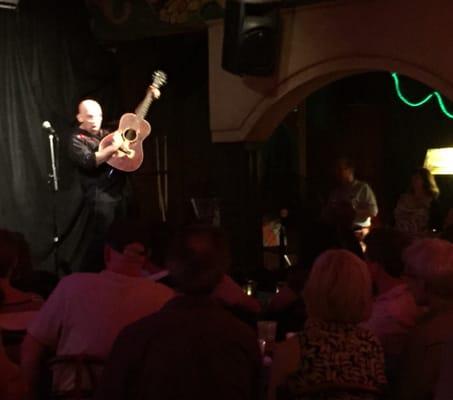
[[143, 107]]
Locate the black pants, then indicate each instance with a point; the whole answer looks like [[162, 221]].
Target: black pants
[[102, 211]]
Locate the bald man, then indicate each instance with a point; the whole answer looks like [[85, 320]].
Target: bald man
[[103, 187]]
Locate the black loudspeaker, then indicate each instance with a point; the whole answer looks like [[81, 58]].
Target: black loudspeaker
[[251, 37]]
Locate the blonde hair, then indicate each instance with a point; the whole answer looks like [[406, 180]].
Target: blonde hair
[[429, 182], [338, 288], [431, 261]]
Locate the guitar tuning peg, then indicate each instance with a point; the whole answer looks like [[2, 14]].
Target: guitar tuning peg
[[159, 78]]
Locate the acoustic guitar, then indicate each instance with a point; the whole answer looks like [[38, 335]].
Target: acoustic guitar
[[133, 129]]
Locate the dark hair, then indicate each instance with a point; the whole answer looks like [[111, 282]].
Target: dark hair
[[385, 246], [345, 161], [429, 183], [198, 258], [125, 231], [9, 252], [159, 237]]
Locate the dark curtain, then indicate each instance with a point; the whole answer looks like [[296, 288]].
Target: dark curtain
[[48, 62]]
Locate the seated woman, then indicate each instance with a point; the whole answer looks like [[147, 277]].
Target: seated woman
[[333, 357], [417, 211]]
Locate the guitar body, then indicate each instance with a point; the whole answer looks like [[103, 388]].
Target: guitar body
[[134, 130]]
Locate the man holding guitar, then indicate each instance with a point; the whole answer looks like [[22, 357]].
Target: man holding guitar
[[102, 185]]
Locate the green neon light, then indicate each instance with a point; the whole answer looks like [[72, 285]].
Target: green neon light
[[442, 105], [437, 95]]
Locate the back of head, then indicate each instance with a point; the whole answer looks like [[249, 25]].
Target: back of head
[[159, 236], [9, 252], [385, 247], [338, 288], [199, 256], [128, 236], [431, 261]]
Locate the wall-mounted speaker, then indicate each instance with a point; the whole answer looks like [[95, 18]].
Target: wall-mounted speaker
[[9, 4], [251, 37]]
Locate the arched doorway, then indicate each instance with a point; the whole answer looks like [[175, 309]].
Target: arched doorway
[[362, 117], [321, 43], [268, 113]]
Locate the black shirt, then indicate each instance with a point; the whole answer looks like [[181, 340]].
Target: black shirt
[[82, 148], [192, 349]]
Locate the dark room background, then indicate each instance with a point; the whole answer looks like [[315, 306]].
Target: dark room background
[[50, 59]]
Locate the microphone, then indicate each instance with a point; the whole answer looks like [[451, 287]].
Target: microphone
[[48, 127]]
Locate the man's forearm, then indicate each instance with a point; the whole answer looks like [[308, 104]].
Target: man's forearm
[[104, 155]]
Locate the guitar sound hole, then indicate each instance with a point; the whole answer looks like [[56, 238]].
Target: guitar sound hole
[[130, 135]]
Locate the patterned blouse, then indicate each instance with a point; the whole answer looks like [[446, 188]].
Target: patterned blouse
[[412, 215], [334, 354]]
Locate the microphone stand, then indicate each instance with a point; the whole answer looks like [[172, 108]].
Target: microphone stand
[[284, 261], [54, 180]]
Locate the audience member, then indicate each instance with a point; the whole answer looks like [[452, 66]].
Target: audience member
[[333, 357], [417, 211], [19, 307], [193, 348], [12, 386], [394, 310], [87, 310], [228, 292], [429, 266], [444, 386]]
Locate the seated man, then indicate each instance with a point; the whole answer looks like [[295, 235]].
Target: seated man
[[192, 348], [87, 310], [228, 292]]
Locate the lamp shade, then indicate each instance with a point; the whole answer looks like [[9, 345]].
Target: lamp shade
[[439, 161]]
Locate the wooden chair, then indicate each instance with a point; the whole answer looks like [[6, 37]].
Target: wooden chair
[[87, 372]]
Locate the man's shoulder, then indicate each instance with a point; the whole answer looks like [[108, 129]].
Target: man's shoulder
[[361, 184], [154, 288], [76, 132], [215, 317], [74, 284], [143, 327], [78, 278], [362, 187]]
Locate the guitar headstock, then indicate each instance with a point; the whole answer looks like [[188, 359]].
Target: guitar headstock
[[159, 79]]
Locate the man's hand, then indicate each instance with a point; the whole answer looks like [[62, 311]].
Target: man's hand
[[104, 155], [155, 92], [117, 141]]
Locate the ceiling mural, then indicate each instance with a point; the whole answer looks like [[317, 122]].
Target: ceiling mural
[[113, 20]]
